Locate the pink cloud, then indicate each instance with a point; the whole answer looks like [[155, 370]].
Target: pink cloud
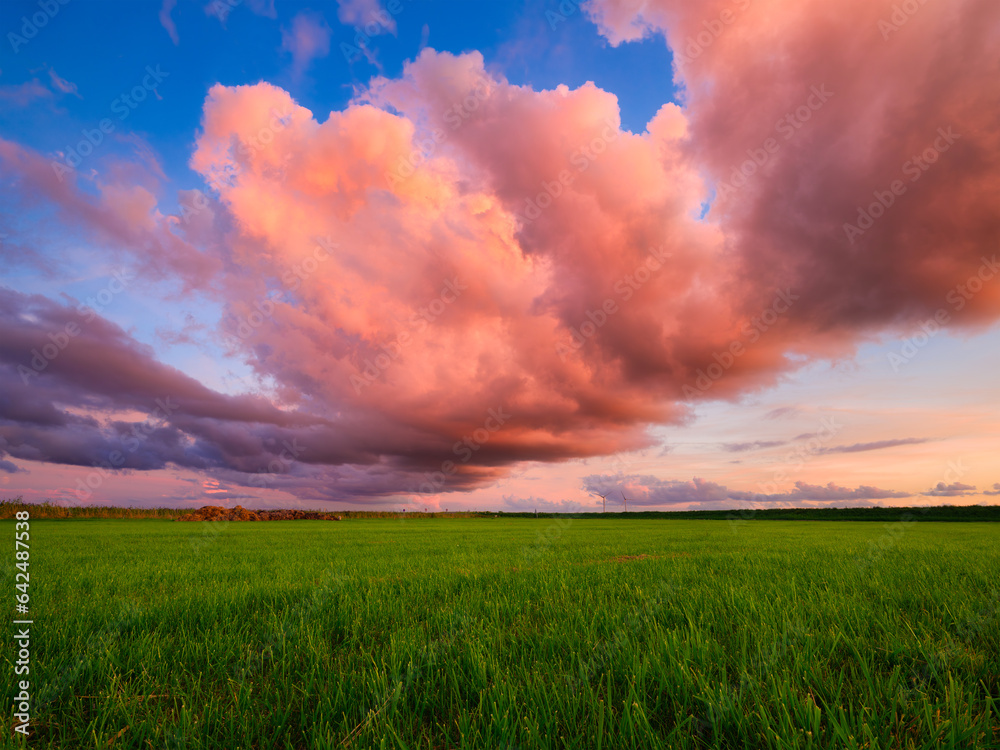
[[531, 284], [367, 14], [906, 104], [63, 85], [307, 40], [649, 491], [167, 22], [24, 94], [263, 8], [222, 8], [121, 212], [400, 248], [955, 489]]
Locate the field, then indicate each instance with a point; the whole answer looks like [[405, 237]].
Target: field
[[512, 633]]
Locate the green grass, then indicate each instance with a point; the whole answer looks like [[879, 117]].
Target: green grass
[[512, 633]]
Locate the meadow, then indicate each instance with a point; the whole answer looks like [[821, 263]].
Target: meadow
[[511, 633]]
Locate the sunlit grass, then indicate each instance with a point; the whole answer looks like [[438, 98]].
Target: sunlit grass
[[492, 633]]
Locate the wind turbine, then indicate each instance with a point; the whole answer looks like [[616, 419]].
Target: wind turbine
[[626, 500], [604, 502]]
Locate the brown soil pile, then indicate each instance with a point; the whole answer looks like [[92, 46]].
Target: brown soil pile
[[239, 513]]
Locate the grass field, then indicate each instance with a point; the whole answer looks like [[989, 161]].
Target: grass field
[[512, 633]]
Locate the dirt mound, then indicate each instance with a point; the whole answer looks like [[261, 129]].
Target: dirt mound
[[295, 515], [239, 513]]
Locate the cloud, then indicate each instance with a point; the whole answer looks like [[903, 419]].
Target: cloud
[[76, 389], [63, 85], [11, 468], [368, 14], [877, 445], [782, 411], [307, 40], [72, 381], [751, 446], [483, 316], [530, 504], [167, 22], [994, 491], [831, 492], [754, 80], [222, 8], [955, 489], [854, 448], [119, 214], [262, 8], [647, 490], [23, 94]]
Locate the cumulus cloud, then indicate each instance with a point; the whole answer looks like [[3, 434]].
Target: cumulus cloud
[[831, 492], [530, 504], [435, 308], [786, 224], [67, 374], [647, 490], [76, 389], [955, 489]]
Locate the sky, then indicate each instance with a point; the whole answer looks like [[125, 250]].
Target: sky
[[419, 254]]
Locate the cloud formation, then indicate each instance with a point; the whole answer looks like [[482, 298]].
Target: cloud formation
[[76, 389], [167, 22], [9, 467], [752, 446], [853, 448], [63, 85], [366, 13], [308, 39], [24, 94], [873, 446], [749, 70], [955, 489], [646, 490]]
